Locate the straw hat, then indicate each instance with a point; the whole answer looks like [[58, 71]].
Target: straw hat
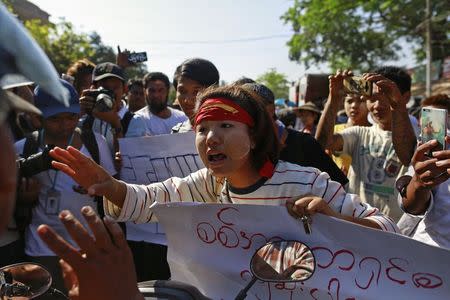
[[309, 106]]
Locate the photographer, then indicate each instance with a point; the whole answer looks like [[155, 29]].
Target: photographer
[[105, 109], [53, 191], [11, 248], [381, 153]]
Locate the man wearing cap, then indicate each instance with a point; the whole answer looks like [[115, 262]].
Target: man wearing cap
[[54, 190], [307, 118], [158, 116], [11, 249], [108, 123]]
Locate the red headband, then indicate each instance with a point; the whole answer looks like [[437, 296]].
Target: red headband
[[220, 109]]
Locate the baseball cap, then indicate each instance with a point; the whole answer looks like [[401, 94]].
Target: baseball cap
[[105, 70], [11, 102], [51, 106], [10, 81]]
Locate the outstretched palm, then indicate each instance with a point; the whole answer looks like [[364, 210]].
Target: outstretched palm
[[78, 166]]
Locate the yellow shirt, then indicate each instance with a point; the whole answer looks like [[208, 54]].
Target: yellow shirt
[[343, 160]]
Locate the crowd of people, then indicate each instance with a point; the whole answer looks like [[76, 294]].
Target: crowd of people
[[371, 169]]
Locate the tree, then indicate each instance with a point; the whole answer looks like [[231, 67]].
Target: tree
[[363, 33], [275, 81], [64, 46], [61, 44]]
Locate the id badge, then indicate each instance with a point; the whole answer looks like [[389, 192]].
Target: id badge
[[52, 202]]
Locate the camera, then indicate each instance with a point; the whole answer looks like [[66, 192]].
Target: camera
[[104, 99], [357, 85], [35, 163]]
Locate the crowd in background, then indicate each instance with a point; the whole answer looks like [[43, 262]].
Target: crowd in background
[[368, 144]]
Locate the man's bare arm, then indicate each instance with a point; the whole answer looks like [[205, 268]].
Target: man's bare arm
[[325, 128], [403, 136]]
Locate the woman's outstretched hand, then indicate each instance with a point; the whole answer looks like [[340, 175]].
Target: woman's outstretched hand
[[83, 170]]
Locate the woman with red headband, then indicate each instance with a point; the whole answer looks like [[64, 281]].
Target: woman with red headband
[[237, 143]]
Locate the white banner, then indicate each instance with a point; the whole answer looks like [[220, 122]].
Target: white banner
[[156, 158], [210, 247], [153, 159]]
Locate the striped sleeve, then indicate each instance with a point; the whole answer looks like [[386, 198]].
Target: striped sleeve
[[140, 198], [349, 204]]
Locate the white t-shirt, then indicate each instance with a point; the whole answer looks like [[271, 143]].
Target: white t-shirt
[[47, 210], [375, 167], [153, 233], [157, 125], [136, 128]]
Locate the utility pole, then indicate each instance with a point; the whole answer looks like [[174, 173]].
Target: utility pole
[[428, 47]]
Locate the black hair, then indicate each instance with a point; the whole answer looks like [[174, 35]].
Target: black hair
[[263, 132], [79, 69], [287, 116], [135, 82], [263, 91], [201, 70], [153, 76], [243, 80], [397, 75], [439, 100]]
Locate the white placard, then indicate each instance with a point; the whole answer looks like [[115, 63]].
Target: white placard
[[153, 159], [156, 158], [211, 245]]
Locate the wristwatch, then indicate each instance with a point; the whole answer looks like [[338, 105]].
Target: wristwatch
[[402, 183]]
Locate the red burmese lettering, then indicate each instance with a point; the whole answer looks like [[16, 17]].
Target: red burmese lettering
[[426, 280], [206, 232], [372, 272], [396, 267]]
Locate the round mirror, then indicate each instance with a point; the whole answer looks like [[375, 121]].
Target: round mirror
[[24, 281], [283, 261]]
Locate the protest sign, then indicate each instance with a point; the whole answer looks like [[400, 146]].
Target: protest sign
[[153, 159], [210, 247]]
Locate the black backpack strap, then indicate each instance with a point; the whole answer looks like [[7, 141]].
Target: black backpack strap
[[126, 121], [90, 142], [31, 145], [88, 139], [23, 210]]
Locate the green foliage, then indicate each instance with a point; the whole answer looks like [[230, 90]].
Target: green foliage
[[275, 81], [363, 33], [64, 46], [60, 42], [8, 5]]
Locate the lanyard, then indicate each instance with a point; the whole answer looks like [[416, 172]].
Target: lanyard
[[105, 132], [56, 172]]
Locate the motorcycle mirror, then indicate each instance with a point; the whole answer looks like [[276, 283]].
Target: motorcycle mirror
[[24, 281], [283, 261]]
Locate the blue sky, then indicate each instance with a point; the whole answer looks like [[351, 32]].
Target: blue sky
[[172, 30]]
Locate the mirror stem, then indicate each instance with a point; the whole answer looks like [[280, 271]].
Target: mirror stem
[[243, 293]]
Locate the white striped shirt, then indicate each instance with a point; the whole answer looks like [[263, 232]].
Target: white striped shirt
[[289, 181]]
